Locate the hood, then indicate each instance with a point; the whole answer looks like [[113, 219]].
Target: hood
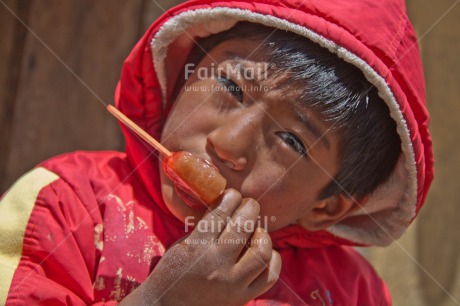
[[381, 42]]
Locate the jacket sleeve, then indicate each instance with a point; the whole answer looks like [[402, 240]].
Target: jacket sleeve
[[47, 249], [386, 296]]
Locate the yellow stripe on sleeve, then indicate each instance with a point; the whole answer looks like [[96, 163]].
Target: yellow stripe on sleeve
[[15, 209]]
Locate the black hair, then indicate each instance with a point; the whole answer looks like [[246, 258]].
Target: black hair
[[338, 92]]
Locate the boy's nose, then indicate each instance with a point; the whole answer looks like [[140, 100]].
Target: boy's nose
[[232, 139]]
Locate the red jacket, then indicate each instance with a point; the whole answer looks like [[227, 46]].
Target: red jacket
[[85, 228]]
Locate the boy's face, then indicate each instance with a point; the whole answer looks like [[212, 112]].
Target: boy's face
[[262, 140]]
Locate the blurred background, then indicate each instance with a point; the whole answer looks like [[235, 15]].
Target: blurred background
[[60, 62]]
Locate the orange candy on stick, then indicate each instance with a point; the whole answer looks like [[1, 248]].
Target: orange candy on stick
[[202, 178], [197, 175]]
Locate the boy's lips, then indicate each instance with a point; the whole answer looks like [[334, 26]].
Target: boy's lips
[[189, 198]]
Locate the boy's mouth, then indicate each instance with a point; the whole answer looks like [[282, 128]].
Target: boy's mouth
[[187, 196]]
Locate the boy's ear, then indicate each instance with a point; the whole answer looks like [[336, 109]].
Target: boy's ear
[[330, 211]]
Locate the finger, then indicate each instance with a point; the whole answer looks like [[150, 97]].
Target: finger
[[215, 220], [256, 258], [268, 277], [180, 240], [240, 227]]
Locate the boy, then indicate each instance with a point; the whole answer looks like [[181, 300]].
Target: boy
[[322, 157]]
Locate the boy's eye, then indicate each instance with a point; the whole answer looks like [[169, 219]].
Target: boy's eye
[[231, 87], [294, 142]]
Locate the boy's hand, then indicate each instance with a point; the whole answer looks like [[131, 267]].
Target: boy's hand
[[216, 266]]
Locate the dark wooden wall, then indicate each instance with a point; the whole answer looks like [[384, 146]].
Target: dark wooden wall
[[60, 63]]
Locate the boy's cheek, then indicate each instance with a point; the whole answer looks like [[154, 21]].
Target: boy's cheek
[[193, 111]]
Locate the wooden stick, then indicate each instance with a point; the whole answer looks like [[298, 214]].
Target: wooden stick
[[137, 129]]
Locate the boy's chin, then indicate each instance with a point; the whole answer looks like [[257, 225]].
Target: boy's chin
[[187, 210], [189, 199], [180, 203]]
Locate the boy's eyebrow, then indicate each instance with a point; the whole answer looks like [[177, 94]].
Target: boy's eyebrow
[[241, 65], [313, 128], [233, 56]]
